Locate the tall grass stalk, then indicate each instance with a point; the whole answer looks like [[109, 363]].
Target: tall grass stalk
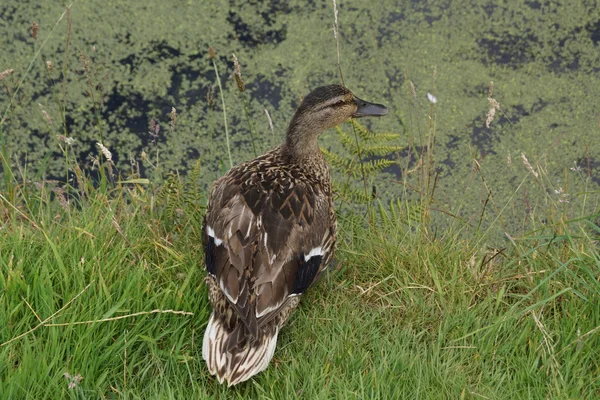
[[336, 35], [237, 73], [218, 78], [30, 65]]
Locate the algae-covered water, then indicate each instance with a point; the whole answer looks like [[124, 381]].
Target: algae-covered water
[[127, 63]]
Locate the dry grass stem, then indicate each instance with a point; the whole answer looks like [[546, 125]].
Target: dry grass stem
[[125, 361], [66, 55], [270, 122], [211, 52], [47, 319], [19, 212], [336, 35], [31, 308], [548, 342], [157, 311]]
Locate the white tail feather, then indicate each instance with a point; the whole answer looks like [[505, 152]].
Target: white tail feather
[[240, 365]]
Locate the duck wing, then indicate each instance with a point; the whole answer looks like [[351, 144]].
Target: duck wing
[[267, 237]]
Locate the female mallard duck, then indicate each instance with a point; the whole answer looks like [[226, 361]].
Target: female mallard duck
[[268, 233]]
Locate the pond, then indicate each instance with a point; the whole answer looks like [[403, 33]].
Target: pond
[[119, 67]]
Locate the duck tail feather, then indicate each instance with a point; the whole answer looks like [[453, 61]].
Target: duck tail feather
[[240, 363], [251, 359], [214, 337]]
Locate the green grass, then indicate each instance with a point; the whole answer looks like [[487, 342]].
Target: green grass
[[404, 316], [111, 287]]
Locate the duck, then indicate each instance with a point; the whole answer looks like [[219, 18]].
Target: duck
[[268, 235]]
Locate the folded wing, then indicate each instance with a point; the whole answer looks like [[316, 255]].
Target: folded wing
[[265, 243]]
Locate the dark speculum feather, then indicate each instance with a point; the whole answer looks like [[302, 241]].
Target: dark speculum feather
[[307, 270], [220, 260], [209, 255]]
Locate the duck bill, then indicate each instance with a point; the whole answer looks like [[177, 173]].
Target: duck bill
[[366, 109]]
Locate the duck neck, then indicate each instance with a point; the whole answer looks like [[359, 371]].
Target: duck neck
[[301, 142]]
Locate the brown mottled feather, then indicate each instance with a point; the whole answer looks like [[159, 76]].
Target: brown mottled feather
[[270, 215]]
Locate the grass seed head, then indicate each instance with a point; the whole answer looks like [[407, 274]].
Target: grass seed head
[[45, 114], [490, 117], [528, 165], [173, 117], [107, 154], [335, 20], [67, 140], [73, 380], [413, 90], [35, 28], [494, 105], [153, 130], [210, 96], [6, 73], [237, 74]]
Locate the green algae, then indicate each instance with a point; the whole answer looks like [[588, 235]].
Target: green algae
[[145, 58]]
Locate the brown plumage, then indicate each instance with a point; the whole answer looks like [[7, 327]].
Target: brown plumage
[[268, 234]]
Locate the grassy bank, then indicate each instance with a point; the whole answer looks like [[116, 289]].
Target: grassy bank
[[102, 290], [110, 287]]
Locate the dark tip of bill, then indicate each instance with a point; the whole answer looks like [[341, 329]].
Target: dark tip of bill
[[366, 109]]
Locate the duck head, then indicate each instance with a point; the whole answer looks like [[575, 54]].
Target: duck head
[[324, 108]]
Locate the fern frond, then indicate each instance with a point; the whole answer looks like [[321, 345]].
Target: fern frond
[[350, 194], [193, 193], [348, 143], [378, 150], [170, 195], [337, 161], [368, 136], [358, 146], [373, 166]]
